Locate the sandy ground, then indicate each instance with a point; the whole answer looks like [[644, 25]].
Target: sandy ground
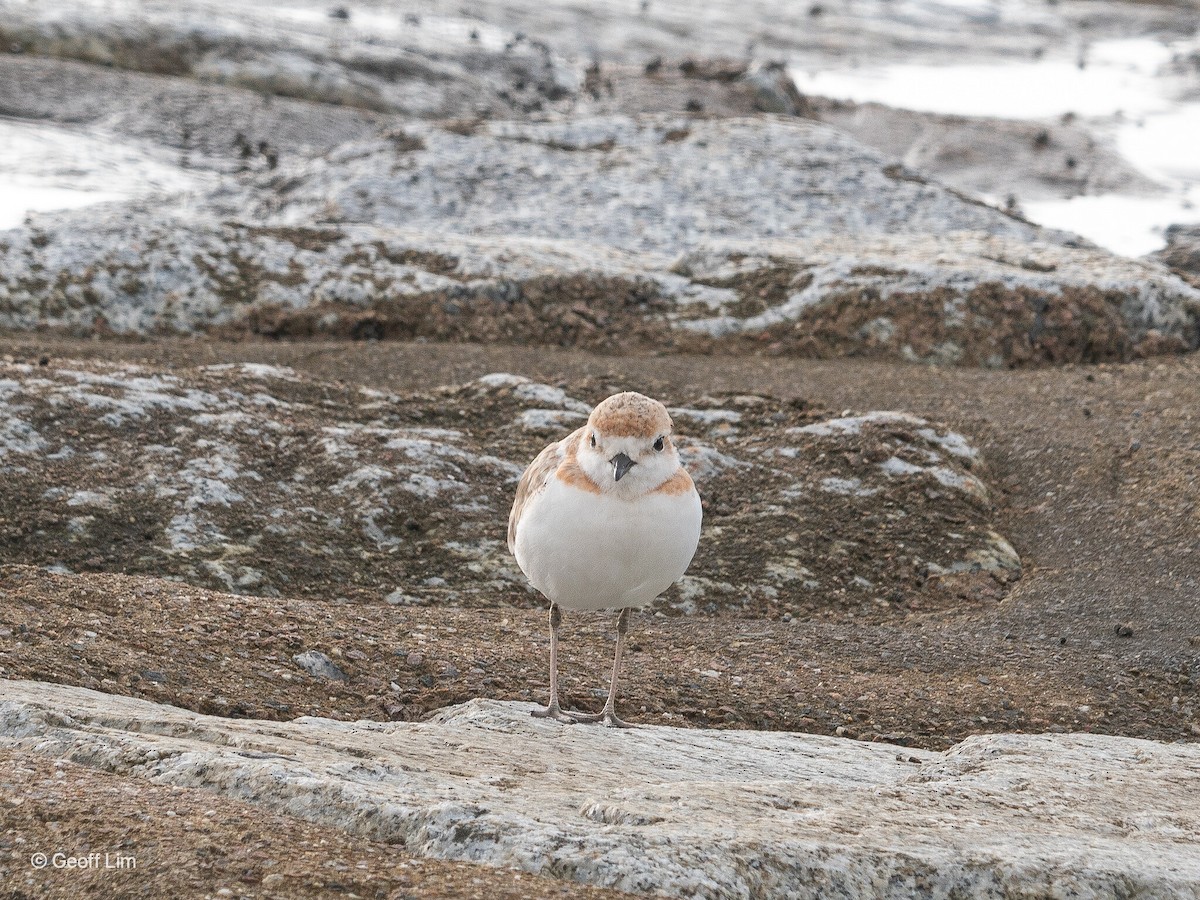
[[1094, 469], [122, 837], [1098, 469], [1097, 466]]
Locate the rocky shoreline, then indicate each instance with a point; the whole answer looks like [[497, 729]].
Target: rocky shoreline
[[675, 812], [323, 278], [736, 223], [253, 479]]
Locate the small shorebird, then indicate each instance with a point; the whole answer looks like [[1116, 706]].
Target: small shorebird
[[606, 518]]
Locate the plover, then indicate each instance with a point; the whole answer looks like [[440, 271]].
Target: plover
[[606, 518]]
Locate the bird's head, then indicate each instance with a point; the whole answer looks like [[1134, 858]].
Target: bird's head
[[626, 446]]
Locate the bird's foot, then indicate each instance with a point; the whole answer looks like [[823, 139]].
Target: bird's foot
[[555, 712], [608, 718]]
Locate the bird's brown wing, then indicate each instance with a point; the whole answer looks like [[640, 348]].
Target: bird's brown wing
[[535, 479]]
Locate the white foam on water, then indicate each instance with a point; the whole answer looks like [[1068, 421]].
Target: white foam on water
[[1165, 145], [50, 167], [1120, 89], [1110, 77], [1132, 226]]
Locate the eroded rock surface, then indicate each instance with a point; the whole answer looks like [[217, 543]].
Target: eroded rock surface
[[1182, 252], [552, 175], [677, 812], [608, 232], [254, 479], [203, 125], [369, 51], [985, 156], [446, 66]]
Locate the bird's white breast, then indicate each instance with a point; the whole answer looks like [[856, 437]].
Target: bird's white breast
[[594, 551]]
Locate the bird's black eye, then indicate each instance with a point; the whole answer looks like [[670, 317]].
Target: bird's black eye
[[658, 445], [593, 439]]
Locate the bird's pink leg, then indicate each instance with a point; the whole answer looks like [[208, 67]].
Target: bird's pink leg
[[553, 711]]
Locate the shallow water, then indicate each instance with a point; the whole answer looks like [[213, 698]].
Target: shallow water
[[1110, 77], [49, 167], [1132, 226], [1124, 91]]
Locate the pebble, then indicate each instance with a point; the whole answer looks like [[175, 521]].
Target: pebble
[[414, 660], [317, 664], [272, 880], [1122, 630]]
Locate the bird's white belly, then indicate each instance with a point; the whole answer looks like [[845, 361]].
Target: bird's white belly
[[594, 551]]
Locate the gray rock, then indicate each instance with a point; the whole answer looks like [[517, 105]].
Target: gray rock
[[602, 232], [678, 812], [388, 47], [775, 92], [347, 223], [210, 125], [318, 665], [622, 183], [1030, 160], [1183, 250], [392, 67], [207, 126], [253, 479]]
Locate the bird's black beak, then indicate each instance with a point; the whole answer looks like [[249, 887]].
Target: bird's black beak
[[621, 464]]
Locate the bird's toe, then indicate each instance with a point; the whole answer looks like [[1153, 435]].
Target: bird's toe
[[554, 712]]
